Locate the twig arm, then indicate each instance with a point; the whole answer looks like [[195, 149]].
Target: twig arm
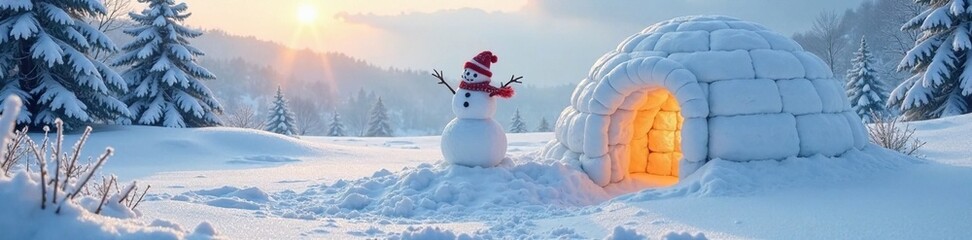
[[513, 79], [438, 74]]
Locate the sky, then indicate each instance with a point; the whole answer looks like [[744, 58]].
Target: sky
[[547, 41]]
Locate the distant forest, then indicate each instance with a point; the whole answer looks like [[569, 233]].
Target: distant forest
[[317, 84]]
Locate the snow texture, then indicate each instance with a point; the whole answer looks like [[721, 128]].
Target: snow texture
[[745, 93], [24, 219]]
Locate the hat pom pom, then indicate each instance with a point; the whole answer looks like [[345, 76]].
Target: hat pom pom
[[493, 59]]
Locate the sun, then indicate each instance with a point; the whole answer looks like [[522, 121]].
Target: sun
[[306, 14]]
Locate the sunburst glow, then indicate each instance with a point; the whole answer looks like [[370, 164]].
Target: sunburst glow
[[306, 14]]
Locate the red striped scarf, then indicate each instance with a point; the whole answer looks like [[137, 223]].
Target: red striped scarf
[[504, 92]]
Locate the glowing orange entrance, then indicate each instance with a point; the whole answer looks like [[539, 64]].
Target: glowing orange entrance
[[655, 146]]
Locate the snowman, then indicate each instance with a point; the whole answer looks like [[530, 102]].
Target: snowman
[[473, 138]]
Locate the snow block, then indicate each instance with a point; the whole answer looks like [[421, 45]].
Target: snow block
[[649, 42], [609, 66], [735, 39], [779, 42], [815, 67], [619, 155], [832, 96], [575, 95], [637, 157], [575, 134], [753, 137], [678, 79], [563, 123], [694, 139], [749, 96], [693, 41], [618, 167], [595, 135], [633, 101], [620, 130], [659, 164], [695, 108], [824, 133], [630, 44], [717, 65], [775, 64], [745, 25], [661, 140], [858, 129], [598, 169], [799, 96], [707, 26], [665, 120]]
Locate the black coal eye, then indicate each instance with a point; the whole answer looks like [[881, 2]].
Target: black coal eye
[[467, 73], [475, 74]]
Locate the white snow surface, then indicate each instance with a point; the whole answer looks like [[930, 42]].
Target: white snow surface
[[23, 218], [399, 188]]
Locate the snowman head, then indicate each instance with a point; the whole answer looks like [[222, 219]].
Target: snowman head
[[477, 70], [472, 76]]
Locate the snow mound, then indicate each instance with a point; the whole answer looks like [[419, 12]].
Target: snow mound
[[731, 178], [23, 218], [429, 233], [192, 148], [446, 191], [227, 197]]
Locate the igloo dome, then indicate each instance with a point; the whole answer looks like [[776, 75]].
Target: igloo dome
[[692, 89]]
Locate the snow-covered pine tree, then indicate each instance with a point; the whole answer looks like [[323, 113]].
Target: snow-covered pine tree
[[165, 81], [336, 128], [544, 126], [43, 60], [281, 119], [517, 125], [378, 122], [865, 90], [940, 60]]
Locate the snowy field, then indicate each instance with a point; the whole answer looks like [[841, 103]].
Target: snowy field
[[253, 185]]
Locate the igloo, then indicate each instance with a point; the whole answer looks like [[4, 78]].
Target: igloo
[[689, 90]]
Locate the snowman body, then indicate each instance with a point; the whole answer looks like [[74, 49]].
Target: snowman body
[[473, 138]]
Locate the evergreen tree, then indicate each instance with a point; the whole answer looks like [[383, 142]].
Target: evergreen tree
[[942, 80], [281, 119], [44, 60], [866, 91], [378, 123], [517, 125], [164, 76], [336, 128], [544, 126]]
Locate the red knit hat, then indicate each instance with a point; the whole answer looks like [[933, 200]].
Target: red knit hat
[[481, 63]]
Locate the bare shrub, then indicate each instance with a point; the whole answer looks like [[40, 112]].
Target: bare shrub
[[891, 133], [243, 116]]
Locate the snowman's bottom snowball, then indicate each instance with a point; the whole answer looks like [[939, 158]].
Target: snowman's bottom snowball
[[474, 142]]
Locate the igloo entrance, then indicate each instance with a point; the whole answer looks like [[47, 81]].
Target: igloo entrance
[[656, 147]]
